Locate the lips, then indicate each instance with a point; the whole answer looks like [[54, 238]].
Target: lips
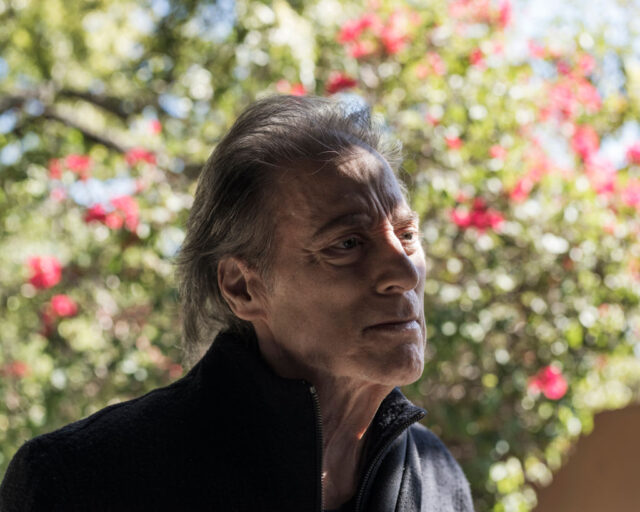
[[396, 325]]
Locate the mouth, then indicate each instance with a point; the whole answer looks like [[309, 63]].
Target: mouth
[[396, 326]]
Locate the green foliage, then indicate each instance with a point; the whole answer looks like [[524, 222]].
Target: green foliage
[[531, 235]]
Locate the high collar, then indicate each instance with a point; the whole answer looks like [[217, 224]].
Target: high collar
[[238, 361]]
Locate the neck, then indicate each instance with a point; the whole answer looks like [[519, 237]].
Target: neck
[[347, 408]]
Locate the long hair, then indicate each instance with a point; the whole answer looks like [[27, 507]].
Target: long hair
[[233, 209]]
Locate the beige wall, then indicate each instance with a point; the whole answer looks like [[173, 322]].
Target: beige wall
[[603, 472]]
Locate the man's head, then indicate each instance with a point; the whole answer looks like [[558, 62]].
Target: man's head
[[286, 165]]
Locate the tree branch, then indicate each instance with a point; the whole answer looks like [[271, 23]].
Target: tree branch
[[106, 139]]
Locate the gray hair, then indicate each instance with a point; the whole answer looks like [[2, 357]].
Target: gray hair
[[233, 209]]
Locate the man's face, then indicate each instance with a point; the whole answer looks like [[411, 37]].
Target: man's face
[[345, 294]]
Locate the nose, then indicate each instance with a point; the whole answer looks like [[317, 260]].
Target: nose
[[397, 270]]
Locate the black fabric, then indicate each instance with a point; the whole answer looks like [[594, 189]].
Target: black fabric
[[229, 436]]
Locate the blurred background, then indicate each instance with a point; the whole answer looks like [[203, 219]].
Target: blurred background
[[522, 156]]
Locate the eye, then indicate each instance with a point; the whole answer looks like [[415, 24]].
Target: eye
[[410, 236], [348, 243]]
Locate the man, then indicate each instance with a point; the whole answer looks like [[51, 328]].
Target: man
[[302, 252]]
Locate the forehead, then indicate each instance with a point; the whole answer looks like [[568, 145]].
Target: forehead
[[361, 182]]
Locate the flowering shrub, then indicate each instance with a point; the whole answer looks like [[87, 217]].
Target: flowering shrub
[[523, 165], [46, 271]]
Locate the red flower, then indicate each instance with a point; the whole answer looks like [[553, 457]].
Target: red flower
[[55, 169], [550, 381], [497, 151], [339, 81], [504, 13], [453, 142], [58, 194], [121, 211], [284, 87], [537, 50], [585, 142], [17, 369], [601, 174], [155, 127], [394, 33], [479, 217], [522, 189], [46, 271], [135, 155], [563, 68], [127, 206], [63, 305], [96, 212], [586, 64], [352, 29], [476, 58], [633, 153], [80, 164], [631, 194]]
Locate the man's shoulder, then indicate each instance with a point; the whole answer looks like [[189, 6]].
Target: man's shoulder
[[126, 439], [430, 448], [441, 473], [128, 417]]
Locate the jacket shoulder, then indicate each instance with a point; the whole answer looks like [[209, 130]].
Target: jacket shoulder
[[53, 467], [441, 473]]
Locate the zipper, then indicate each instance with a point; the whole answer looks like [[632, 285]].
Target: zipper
[[378, 459], [319, 441]]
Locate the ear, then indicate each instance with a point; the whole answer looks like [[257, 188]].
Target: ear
[[242, 288]]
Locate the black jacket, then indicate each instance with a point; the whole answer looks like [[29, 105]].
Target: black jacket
[[229, 436]]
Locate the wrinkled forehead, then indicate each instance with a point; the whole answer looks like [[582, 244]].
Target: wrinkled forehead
[[358, 178]]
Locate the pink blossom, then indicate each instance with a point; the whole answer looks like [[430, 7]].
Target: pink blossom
[[497, 151], [479, 216], [585, 141], [602, 175], [80, 164], [138, 154], [504, 13], [339, 81], [96, 212], [453, 142], [563, 67], [631, 194], [120, 211], [476, 58], [521, 190], [550, 381], [63, 305], [588, 95], [586, 64], [58, 194], [633, 153], [55, 169], [284, 87], [127, 206], [46, 271], [537, 50], [155, 127], [352, 29], [18, 369], [175, 370], [433, 64], [360, 49], [394, 33]]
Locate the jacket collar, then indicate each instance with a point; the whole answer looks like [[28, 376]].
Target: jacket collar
[[238, 360]]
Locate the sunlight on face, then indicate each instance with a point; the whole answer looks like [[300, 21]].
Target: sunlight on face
[[348, 273]]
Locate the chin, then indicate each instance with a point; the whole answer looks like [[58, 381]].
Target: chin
[[403, 367]]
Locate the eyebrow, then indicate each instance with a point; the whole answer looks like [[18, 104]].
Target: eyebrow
[[361, 219]]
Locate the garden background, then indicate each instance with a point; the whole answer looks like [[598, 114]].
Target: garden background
[[522, 156]]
